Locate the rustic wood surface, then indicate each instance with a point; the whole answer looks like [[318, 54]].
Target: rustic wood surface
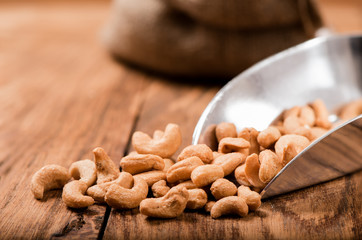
[[61, 95]]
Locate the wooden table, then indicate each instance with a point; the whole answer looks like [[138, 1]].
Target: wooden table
[[61, 95]]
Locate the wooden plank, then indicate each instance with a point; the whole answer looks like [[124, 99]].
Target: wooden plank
[[60, 96]]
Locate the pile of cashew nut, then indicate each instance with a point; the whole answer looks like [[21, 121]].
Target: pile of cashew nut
[[222, 182]]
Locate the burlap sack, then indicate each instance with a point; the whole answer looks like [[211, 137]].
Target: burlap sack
[[155, 36]]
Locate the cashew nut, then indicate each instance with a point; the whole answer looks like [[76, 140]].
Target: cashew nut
[[227, 145], [216, 154], [106, 169], [98, 192], [152, 176], [294, 111], [168, 164], [73, 195], [138, 163], [307, 116], [169, 206], [85, 170], [252, 199], [291, 125], [351, 110], [160, 189], [288, 146], [200, 150], [270, 165], [197, 198], [269, 136], [164, 147], [316, 132], [209, 205], [232, 205], [47, 178], [240, 175], [122, 198], [224, 130], [252, 166], [230, 161], [321, 114], [187, 184], [158, 134], [206, 174], [182, 170], [250, 135], [223, 188]]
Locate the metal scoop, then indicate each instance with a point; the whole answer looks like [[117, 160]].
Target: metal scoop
[[327, 68]]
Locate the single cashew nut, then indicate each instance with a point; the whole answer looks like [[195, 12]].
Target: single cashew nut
[[252, 166], [216, 154], [250, 135], [351, 110], [164, 147], [224, 130], [288, 146], [270, 165], [152, 177], [307, 116], [201, 151], [269, 136], [169, 206], [294, 111], [168, 164], [230, 161], [160, 189], [197, 198], [138, 163], [209, 137], [182, 170], [227, 145], [47, 178], [321, 114], [73, 195], [106, 169], [291, 125], [98, 192], [209, 205], [240, 175], [122, 198], [232, 205], [206, 174], [252, 199], [85, 170], [223, 188]]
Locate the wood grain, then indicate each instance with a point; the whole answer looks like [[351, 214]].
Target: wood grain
[[61, 95]]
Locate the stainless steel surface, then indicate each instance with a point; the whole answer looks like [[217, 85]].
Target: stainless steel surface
[[328, 68]]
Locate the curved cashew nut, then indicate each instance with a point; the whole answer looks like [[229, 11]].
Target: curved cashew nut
[[270, 165], [206, 174], [230, 161], [85, 170], [106, 169], [321, 114], [307, 116], [182, 170], [209, 205], [138, 163], [122, 198], [152, 177], [229, 205], [269, 136], [187, 184], [240, 176], [169, 206], [351, 110], [197, 198], [227, 145], [98, 192], [224, 130], [47, 178], [250, 135], [73, 195], [223, 188], [288, 146], [252, 166], [201, 151], [164, 147], [252, 199], [160, 189], [168, 164]]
